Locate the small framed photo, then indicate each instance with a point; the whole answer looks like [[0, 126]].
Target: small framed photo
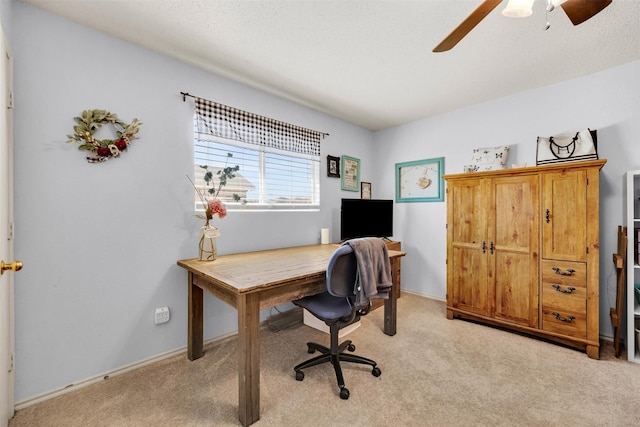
[[350, 173], [365, 190], [420, 181], [333, 167]]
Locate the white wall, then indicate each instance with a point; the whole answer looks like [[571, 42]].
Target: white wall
[[608, 101], [100, 242]]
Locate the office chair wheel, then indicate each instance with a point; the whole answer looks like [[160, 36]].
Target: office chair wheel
[[344, 393], [376, 372], [351, 348], [299, 375]]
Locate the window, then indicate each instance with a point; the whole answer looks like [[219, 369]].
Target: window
[[279, 163]]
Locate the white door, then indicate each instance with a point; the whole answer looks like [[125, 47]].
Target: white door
[[6, 234]]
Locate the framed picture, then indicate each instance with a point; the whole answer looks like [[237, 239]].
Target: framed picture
[[420, 181], [333, 167], [365, 190], [350, 173]]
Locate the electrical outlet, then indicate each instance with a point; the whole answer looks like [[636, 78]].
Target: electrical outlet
[[162, 315]]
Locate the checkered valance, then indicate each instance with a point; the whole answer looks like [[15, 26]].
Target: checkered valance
[[218, 120]]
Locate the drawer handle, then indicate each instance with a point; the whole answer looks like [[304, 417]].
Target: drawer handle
[[558, 288], [569, 272], [567, 319]]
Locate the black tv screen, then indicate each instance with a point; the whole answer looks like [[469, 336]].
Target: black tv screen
[[366, 218]]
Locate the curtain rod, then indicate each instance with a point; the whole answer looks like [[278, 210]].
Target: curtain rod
[[185, 94], [184, 99]]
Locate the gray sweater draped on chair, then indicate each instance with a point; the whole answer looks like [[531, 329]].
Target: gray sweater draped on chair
[[374, 269]]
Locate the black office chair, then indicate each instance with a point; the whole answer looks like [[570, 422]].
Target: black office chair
[[337, 309]]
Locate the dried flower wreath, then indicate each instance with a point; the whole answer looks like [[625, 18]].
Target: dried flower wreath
[[100, 150]]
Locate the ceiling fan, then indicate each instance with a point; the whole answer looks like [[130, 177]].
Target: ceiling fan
[[578, 11]]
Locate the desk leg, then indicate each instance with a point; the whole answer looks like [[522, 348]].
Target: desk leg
[[390, 311], [390, 304], [249, 358], [195, 345]]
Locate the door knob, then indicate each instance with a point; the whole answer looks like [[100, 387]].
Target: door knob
[[13, 266]]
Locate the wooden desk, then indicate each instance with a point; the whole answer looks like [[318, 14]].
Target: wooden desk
[[252, 281]]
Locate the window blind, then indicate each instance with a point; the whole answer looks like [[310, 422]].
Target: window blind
[[279, 162]]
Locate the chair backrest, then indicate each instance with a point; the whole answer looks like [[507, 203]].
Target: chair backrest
[[341, 272]]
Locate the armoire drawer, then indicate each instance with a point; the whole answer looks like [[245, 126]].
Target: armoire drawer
[[565, 322], [570, 273], [564, 298]]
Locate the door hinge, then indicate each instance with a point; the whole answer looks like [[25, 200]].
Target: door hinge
[[11, 362], [10, 101], [10, 231]]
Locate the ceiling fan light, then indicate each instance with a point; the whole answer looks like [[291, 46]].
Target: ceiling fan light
[[518, 8]]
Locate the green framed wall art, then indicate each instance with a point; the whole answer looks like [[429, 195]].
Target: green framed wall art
[[350, 173], [420, 181]]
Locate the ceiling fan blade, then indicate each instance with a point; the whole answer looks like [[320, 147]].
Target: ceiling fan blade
[[579, 11], [467, 25]]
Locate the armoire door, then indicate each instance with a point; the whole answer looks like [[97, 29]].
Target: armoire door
[[513, 231], [564, 215], [466, 258]]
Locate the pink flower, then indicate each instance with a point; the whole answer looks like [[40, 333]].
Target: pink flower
[[214, 207]]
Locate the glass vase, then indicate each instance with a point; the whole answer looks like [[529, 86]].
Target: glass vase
[[207, 250]]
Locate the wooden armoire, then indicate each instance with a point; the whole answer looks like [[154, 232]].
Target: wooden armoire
[[523, 250]]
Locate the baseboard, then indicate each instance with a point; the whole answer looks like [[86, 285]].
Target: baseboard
[[420, 294], [105, 376]]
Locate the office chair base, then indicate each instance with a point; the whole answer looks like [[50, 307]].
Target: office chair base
[[335, 359]]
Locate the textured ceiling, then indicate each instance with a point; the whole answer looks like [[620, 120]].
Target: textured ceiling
[[368, 62]]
